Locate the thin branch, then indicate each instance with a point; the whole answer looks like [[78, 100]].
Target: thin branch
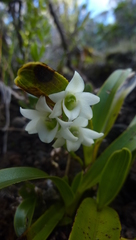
[[62, 36], [17, 25]]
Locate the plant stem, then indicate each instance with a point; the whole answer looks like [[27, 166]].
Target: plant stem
[[68, 165]]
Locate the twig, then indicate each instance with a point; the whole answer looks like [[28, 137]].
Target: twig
[[63, 39], [17, 26]]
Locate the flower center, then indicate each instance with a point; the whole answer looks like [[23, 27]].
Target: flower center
[[50, 123], [70, 102], [74, 131]]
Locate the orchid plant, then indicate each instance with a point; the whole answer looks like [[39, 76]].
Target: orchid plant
[[68, 120], [69, 117]]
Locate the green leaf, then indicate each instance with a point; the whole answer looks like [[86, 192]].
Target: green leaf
[[42, 228], [88, 87], [23, 215], [76, 181], [126, 140], [34, 51], [14, 175], [27, 190], [39, 79], [88, 153], [66, 220], [112, 94], [93, 224], [83, 22], [77, 158], [133, 122], [113, 177], [42, 51], [31, 102]]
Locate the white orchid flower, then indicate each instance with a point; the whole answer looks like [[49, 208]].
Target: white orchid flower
[[73, 101], [75, 134], [41, 123]]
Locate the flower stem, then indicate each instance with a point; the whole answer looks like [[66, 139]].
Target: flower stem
[[68, 165], [78, 159]]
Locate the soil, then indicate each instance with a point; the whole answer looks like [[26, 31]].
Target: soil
[[21, 149]]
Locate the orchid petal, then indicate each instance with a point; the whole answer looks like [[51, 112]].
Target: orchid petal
[[80, 121], [64, 124], [90, 133], [55, 97], [76, 84], [73, 146], [59, 143], [53, 133], [90, 98], [86, 110], [30, 114], [66, 134], [73, 113], [87, 141], [57, 111], [31, 126], [42, 105], [45, 134]]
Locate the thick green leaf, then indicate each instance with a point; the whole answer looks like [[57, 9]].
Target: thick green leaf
[[39, 79], [9, 176], [113, 177], [42, 228], [112, 95], [23, 215], [14, 175], [93, 224], [126, 140], [118, 100], [133, 122]]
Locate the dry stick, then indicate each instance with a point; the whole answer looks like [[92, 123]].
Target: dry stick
[[63, 39], [18, 25]]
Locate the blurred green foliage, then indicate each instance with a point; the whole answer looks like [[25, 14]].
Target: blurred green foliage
[[124, 27], [60, 33]]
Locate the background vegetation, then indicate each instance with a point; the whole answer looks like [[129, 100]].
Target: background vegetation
[[64, 35]]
